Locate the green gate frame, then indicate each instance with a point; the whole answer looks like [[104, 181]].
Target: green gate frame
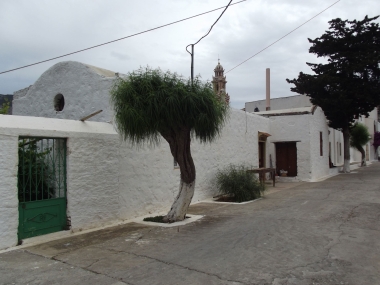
[[41, 186]]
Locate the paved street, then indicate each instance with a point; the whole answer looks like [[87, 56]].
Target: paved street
[[313, 233]]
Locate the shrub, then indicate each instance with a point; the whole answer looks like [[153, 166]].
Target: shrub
[[35, 177], [235, 181], [4, 109]]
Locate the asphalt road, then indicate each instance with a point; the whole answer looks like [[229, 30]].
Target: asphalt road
[[314, 233]]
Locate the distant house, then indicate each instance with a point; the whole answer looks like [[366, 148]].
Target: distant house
[[284, 105]]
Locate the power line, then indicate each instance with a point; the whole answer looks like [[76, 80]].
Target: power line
[[283, 37], [106, 43], [192, 45], [214, 23]]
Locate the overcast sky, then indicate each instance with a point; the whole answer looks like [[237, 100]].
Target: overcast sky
[[35, 30]]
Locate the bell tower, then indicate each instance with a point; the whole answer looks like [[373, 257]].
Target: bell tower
[[219, 83]]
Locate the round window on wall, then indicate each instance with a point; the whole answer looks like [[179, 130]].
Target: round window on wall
[[59, 102]]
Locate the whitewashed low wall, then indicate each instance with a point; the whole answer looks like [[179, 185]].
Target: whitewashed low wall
[[109, 180], [8, 189], [92, 170], [149, 182]]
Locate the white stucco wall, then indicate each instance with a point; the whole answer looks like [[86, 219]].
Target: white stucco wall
[[372, 124], [85, 89], [109, 180], [337, 146], [281, 103], [304, 130], [320, 164], [8, 188], [92, 169], [293, 128], [149, 182]]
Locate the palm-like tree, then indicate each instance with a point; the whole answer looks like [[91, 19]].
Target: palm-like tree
[[150, 104]]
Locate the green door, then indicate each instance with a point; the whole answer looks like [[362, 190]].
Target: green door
[[41, 186]]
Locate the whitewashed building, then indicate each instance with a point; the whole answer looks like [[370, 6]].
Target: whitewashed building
[[335, 145], [107, 180]]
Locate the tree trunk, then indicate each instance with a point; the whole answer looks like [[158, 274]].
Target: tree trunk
[[346, 140], [179, 142], [361, 149], [181, 203]]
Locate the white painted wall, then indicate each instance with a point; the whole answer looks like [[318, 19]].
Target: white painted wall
[[84, 87], [337, 147], [293, 128], [290, 102], [109, 180], [92, 169], [320, 163], [8, 188], [304, 129], [149, 182]]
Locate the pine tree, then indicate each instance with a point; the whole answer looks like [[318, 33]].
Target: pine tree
[[348, 85]]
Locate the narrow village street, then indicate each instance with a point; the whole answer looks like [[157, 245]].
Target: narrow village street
[[312, 233]]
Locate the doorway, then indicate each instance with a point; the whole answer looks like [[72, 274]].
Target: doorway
[[262, 139], [286, 158], [41, 186]]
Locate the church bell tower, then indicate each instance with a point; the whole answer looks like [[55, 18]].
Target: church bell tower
[[219, 83]]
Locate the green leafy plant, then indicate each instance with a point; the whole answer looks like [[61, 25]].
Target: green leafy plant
[[150, 105], [359, 136], [34, 175], [4, 109], [236, 182]]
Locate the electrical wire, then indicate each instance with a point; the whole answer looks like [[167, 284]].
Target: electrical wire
[[123, 38], [212, 25], [282, 37], [192, 45]]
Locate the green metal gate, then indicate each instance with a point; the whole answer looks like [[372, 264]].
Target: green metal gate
[[41, 186]]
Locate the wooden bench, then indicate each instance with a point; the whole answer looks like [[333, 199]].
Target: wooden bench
[[262, 172]]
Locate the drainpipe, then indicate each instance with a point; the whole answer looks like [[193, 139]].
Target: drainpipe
[[268, 88]]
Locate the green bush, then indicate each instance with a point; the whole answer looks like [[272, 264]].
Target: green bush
[[35, 177], [4, 109], [236, 182]]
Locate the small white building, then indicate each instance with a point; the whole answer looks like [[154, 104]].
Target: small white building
[[335, 145]]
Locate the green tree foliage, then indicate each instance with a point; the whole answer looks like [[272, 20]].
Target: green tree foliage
[[34, 175], [359, 136], [150, 103], [5, 107], [347, 86]]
